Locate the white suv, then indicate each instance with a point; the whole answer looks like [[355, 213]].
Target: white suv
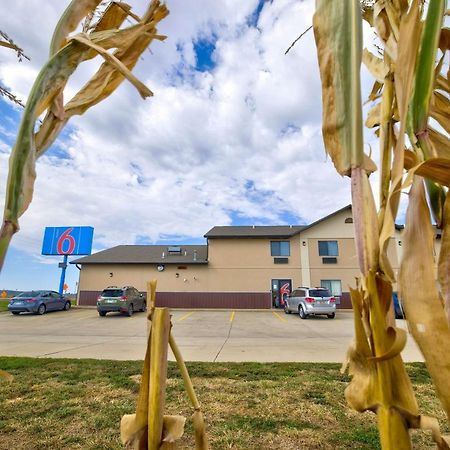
[[315, 301]]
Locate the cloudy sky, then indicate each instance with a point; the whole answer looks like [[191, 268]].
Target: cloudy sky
[[232, 135]]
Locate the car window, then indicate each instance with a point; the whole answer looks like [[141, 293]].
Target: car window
[[319, 293], [54, 294], [295, 293], [302, 293], [112, 293], [28, 294]]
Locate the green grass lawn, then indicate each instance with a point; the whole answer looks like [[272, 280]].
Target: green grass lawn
[[77, 404], [4, 305]]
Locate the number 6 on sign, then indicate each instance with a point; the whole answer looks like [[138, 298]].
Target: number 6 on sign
[[66, 237]]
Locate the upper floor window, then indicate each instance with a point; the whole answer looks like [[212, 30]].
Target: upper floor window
[[280, 248], [328, 248]]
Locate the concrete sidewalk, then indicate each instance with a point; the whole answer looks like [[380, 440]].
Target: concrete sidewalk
[[202, 335]]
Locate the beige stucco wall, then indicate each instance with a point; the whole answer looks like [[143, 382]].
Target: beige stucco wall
[[249, 253], [196, 278]]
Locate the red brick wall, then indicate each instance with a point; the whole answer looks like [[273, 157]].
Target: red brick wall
[[234, 300]]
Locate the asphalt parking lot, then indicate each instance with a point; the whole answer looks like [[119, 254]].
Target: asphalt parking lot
[[202, 335]]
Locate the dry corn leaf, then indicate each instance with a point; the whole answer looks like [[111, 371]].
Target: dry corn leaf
[[338, 34], [107, 79], [377, 67], [173, 429], [396, 338], [72, 16], [423, 308], [374, 116], [444, 260], [143, 90], [113, 16], [444, 39], [375, 92], [436, 169], [440, 142], [408, 45], [440, 110], [365, 221]]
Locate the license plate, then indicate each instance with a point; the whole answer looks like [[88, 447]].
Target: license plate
[[18, 303], [110, 301]]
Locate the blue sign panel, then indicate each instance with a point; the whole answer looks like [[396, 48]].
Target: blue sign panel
[[67, 241]]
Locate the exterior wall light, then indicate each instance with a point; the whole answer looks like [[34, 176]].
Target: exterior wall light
[[111, 274], [304, 243]]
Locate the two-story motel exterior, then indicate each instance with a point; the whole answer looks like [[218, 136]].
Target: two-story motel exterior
[[239, 267]]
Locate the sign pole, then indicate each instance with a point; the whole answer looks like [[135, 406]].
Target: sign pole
[[63, 266]]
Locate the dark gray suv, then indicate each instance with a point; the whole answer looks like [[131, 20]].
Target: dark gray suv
[[125, 299]]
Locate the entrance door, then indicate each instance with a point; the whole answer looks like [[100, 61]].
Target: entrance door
[[280, 290]]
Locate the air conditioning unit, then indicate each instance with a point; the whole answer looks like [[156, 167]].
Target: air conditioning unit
[[281, 260], [329, 260]]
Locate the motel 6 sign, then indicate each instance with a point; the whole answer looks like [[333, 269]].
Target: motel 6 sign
[[67, 241]]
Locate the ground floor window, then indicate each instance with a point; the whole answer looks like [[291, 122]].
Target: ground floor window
[[334, 286]]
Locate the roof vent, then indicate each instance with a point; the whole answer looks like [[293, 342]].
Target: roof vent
[[253, 226], [195, 255], [163, 255], [290, 226]]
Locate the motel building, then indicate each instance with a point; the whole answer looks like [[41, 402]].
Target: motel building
[[239, 267]]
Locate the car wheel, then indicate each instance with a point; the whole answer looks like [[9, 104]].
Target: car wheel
[[16, 313], [130, 310], [41, 310], [301, 313], [331, 316], [286, 309], [102, 313], [66, 306]]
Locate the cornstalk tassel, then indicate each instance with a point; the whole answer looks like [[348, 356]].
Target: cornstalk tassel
[[407, 82], [66, 54]]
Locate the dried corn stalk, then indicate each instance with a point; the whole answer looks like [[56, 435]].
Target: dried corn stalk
[[149, 428], [411, 85], [66, 54]]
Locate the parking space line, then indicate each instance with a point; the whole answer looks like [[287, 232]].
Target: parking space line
[[279, 317], [232, 316], [185, 316]]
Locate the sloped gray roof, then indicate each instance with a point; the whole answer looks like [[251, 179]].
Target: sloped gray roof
[[147, 254], [280, 231]]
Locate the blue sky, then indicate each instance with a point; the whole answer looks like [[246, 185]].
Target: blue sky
[[232, 135]]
